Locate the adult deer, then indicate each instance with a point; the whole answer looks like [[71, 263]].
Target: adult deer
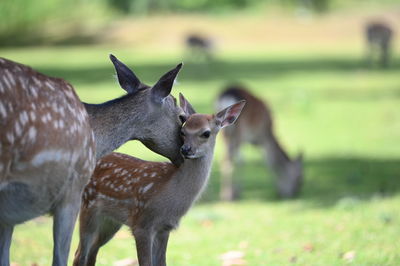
[[149, 197], [378, 37], [199, 47], [255, 126], [48, 143]]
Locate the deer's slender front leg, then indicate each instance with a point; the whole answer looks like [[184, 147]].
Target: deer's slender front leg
[[144, 244], [160, 248], [63, 226], [5, 242]]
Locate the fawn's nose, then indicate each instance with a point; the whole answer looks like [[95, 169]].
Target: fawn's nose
[[185, 150]]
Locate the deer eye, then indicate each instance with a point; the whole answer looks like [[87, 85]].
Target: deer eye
[[206, 134], [182, 118]]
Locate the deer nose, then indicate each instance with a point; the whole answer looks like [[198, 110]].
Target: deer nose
[[185, 150]]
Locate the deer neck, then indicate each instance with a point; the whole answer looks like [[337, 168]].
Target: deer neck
[[191, 178], [277, 158], [112, 123]]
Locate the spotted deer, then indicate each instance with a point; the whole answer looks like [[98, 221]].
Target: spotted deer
[[50, 141], [149, 197], [255, 126], [378, 37]]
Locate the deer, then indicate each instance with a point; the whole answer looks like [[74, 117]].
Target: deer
[[50, 142], [199, 47], [378, 38], [255, 126], [149, 197]]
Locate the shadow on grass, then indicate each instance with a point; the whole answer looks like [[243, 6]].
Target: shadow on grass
[[327, 180], [229, 71]]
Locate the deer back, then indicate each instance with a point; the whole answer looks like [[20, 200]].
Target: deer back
[[255, 122], [122, 185], [45, 136]]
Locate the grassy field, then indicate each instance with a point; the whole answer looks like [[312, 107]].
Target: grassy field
[[344, 116]]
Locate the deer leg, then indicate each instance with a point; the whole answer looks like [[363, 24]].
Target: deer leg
[[160, 248], [63, 226], [6, 232], [227, 191], [144, 243], [106, 231]]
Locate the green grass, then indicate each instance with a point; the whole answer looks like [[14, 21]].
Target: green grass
[[343, 116]]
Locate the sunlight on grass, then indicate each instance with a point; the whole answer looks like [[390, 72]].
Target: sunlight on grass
[[343, 116]]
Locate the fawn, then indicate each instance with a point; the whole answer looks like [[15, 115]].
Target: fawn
[[378, 36], [50, 140], [149, 197], [255, 126]]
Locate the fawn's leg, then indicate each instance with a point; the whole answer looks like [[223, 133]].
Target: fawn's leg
[[160, 248], [144, 243], [88, 228], [106, 230]]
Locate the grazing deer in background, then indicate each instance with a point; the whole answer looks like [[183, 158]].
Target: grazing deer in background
[[48, 143], [255, 126], [149, 197], [378, 36], [199, 47]]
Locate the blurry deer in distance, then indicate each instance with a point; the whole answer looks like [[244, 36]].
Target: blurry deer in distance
[[149, 197], [378, 37], [199, 47], [49, 143], [255, 126]]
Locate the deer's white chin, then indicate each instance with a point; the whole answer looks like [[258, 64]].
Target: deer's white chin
[[194, 156]]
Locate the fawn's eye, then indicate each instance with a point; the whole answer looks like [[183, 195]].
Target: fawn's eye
[[206, 134], [182, 118]]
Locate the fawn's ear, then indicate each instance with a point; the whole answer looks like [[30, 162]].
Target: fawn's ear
[[126, 78], [185, 105], [164, 85], [229, 115]]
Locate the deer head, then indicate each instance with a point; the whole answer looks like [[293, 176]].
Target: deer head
[[146, 113], [199, 131]]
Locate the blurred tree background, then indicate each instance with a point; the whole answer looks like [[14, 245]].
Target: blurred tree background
[[26, 22]]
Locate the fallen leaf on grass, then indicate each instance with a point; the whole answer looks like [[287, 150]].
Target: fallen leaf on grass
[[126, 262], [308, 247], [233, 257], [243, 244], [349, 256], [207, 223], [293, 259]]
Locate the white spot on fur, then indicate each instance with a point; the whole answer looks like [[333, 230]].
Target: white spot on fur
[[3, 110], [153, 174], [32, 114], [10, 137], [50, 85], [18, 129], [32, 133], [147, 187], [50, 156]]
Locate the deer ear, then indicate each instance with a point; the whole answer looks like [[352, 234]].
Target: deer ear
[[126, 78], [163, 86], [300, 157], [229, 115], [185, 105]]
